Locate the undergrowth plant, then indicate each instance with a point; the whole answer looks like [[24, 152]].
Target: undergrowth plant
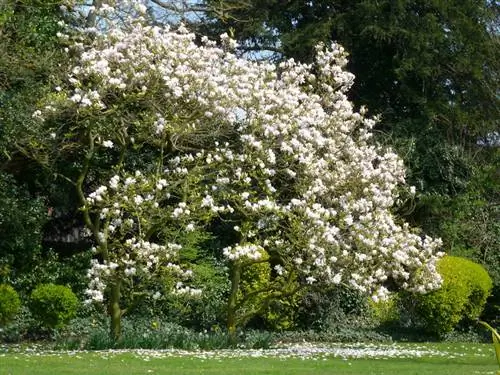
[[496, 341]]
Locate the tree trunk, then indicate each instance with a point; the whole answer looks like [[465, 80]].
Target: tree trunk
[[231, 306], [115, 311], [92, 16]]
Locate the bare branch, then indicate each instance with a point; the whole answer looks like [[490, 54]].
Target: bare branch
[[92, 16]]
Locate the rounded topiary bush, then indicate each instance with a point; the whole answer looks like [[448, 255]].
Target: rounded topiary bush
[[10, 304], [466, 286], [53, 305]]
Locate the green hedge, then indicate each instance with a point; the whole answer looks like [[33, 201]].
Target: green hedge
[[466, 286], [53, 305], [10, 304]]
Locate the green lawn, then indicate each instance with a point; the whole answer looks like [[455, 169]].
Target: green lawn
[[469, 359]]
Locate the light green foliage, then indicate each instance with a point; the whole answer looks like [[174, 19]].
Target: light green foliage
[[385, 312], [495, 336], [281, 313], [466, 286], [255, 280], [259, 300], [10, 303], [480, 285], [53, 305]]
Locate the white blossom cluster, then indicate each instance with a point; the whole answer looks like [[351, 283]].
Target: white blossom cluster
[[250, 251], [128, 207], [298, 170]]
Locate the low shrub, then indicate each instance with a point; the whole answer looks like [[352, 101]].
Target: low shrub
[[332, 308], [203, 312], [466, 286], [10, 304], [22, 328], [53, 305]]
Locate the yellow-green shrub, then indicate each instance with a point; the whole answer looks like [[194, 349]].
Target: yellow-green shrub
[[9, 303], [53, 305], [272, 303], [466, 286], [254, 277], [384, 312]]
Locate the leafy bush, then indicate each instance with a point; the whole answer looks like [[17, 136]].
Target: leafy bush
[[21, 221], [203, 312], [385, 312], [53, 305], [20, 328], [47, 267], [466, 286], [332, 308], [254, 277], [281, 313], [10, 303]]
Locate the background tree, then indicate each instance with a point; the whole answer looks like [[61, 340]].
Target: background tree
[[37, 209]]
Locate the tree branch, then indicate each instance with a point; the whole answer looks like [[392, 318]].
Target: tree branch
[[92, 16]]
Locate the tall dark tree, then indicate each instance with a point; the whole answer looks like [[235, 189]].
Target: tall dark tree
[[35, 205]]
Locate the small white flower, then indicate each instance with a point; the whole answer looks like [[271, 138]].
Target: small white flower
[[310, 280], [157, 295], [138, 200], [108, 144]]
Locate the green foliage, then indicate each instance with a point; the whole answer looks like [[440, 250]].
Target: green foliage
[[466, 286], [21, 220], [385, 312], [331, 308], [10, 304], [30, 58], [21, 328], [203, 312], [281, 313], [51, 268], [254, 286], [266, 300], [468, 222], [53, 305], [145, 333]]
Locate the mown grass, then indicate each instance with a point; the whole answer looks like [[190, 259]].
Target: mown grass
[[468, 359]]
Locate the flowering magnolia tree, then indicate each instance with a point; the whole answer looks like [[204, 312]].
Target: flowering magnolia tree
[[276, 150]]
